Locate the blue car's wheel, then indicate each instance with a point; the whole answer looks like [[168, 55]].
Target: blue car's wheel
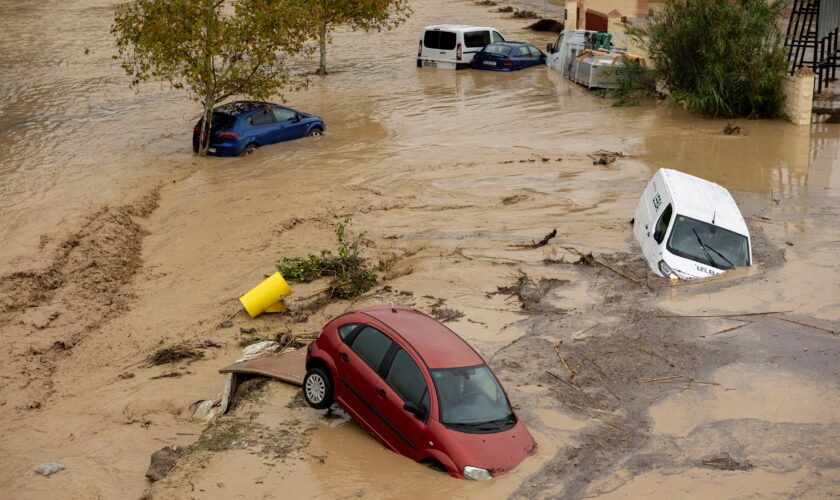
[[316, 131], [250, 148]]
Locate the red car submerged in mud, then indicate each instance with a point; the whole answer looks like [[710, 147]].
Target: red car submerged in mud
[[419, 388]]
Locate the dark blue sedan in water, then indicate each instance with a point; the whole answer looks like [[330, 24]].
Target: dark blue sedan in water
[[508, 56], [241, 127]]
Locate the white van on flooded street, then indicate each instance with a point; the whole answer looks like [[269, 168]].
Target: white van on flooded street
[[689, 227], [453, 46]]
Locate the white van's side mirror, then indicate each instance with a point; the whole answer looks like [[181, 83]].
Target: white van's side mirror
[[549, 48]]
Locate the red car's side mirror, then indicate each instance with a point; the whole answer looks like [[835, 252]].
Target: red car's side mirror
[[412, 408]]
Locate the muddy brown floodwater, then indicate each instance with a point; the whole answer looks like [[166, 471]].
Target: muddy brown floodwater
[[118, 242]]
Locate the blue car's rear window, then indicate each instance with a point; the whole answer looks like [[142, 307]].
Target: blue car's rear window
[[221, 121], [502, 50]]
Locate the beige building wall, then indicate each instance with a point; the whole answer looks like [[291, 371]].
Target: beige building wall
[[618, 28], [571, 16]]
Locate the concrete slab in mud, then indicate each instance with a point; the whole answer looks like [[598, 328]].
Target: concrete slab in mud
[[288, 366]]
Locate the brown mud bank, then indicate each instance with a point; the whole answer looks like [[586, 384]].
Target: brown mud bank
[[632, 387], [47, 312]]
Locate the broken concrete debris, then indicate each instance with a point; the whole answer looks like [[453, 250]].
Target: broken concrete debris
[[205, 410], [267, 358], [259, 350], [49, 468]]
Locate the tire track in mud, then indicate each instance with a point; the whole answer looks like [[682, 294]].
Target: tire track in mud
[[46, 312]]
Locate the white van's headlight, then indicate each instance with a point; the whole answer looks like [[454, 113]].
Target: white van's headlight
[[476, 473], [666, 270]]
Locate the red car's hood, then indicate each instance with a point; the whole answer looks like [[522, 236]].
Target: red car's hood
[[498, 452]]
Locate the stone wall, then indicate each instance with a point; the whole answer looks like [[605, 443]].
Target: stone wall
[[799, 96]]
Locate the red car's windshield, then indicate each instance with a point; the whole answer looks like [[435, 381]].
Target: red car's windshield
[[471, 398]]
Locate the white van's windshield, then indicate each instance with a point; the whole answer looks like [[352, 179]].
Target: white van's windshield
[[708, 244]]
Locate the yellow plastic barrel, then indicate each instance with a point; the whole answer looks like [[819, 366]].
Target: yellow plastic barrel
[[266, 296]]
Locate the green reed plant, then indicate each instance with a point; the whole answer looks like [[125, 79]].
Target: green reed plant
[[720, 57]]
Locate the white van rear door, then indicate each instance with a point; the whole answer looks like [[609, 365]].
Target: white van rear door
[[438, 45]]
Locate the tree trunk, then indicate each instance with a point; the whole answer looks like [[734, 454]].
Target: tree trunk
[[206, 125], [322, 39], [210, 96]]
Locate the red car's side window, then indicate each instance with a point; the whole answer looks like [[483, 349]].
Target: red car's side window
[[345, 331], [406, 378], [371, 345]]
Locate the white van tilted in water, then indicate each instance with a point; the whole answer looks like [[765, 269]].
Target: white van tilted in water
[[690, 228], [452, 46]]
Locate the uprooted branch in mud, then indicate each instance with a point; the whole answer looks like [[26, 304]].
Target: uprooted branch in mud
[[174, 354], [545, 239], [531, 293], [590, 260], [604, 157], [351, 274]]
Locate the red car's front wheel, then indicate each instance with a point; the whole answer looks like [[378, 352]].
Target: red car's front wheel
[[317, 389]]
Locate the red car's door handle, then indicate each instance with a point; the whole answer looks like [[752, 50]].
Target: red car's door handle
[[381, 393], [342, 355]]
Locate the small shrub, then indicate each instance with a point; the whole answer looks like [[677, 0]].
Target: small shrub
[[350, 272], [635, 81], [720, 57], [525, 14]]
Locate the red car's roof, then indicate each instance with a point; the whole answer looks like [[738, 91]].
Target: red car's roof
[[439, 346]]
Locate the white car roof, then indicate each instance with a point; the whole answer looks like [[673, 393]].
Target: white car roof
[[704, 200], [457, 27]]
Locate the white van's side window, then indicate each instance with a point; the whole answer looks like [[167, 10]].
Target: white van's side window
[[497, 37], [662, 225], [443, 40], [474, 39]]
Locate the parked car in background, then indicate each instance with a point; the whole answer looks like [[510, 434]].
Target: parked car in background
[[689, 227], [241, 127], [419, 388], [452, 46], [508, 56]]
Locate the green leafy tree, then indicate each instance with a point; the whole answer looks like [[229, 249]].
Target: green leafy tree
[[326, 15], [720, 57], [214, 49]]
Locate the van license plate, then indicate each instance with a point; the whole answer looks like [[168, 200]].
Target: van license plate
[[488, 63], [430, 64]]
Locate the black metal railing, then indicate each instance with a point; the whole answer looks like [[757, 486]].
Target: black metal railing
[[813, 39]]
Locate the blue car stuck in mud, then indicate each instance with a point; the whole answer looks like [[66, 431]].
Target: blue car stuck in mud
[[241, 127], [508, 56]]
